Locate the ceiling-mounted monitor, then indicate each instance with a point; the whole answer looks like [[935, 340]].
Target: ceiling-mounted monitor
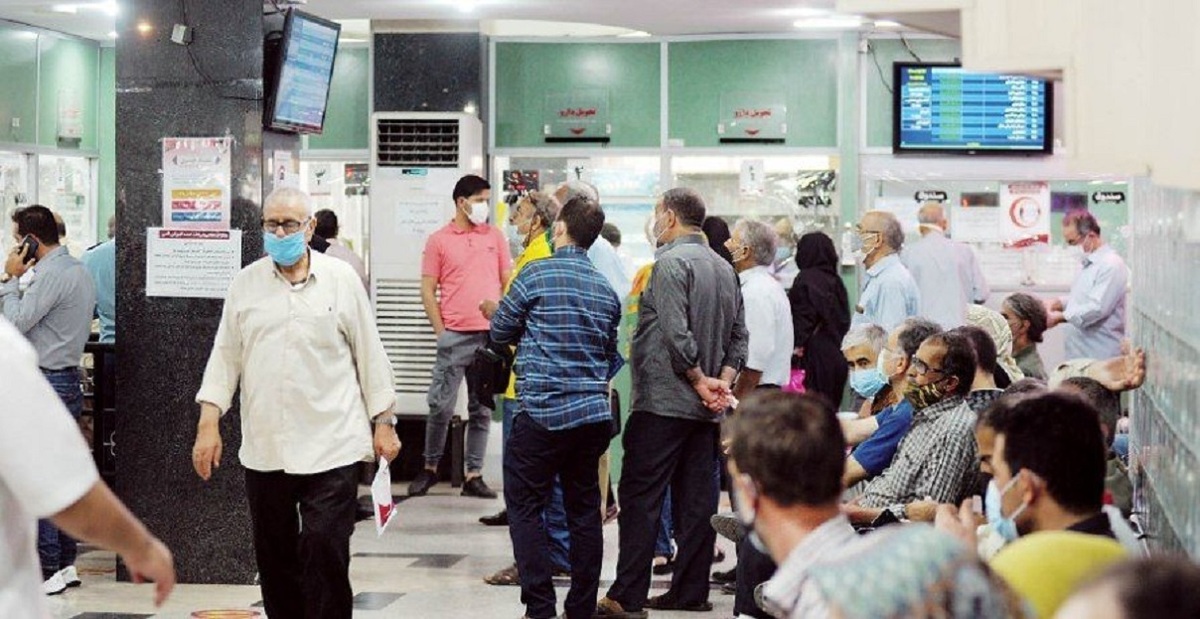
[[942, 108], [302, 72]]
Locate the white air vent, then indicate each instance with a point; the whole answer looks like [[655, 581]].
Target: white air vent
[[406, 334], [417, 142]]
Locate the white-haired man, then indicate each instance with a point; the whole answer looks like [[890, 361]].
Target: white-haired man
[[297, 334], [889, 293], [602, 254], [768, 313], [947, 272]]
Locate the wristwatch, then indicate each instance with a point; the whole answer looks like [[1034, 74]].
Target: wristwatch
[[385, 419]]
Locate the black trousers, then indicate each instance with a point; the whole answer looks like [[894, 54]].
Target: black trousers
[[753, 569], [302, 527], [660, 451], [532, 459]]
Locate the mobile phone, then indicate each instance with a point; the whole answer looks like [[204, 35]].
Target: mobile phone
[[30, 246]]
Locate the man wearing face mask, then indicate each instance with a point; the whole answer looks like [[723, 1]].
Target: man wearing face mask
[[468, 261], [1095, 309], [298, 337], [768, 314], [690, 342], [1047, 488], [889, 292], [935, 461], [877, 437]]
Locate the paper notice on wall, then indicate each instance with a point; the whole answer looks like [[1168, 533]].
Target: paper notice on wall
[[196, 183], [1026, 212], [285, 176], [420, 218], [320, 179], [905, 209], [199, 264], [753, 180], [381, 496]]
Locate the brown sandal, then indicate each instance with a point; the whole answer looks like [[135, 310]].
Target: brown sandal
[[507, 577]]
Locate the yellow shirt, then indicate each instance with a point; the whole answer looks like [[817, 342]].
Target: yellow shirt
[[537, 249], [1044, 568]]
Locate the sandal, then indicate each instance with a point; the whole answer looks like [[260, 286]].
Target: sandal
[[507, 577], [666, 567]]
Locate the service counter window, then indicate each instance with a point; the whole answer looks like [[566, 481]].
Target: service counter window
[[14, 190], [342, 187], [65, 185]]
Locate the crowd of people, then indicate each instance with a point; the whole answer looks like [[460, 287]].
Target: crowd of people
[[968, 480]]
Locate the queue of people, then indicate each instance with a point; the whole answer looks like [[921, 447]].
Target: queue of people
[[971, 481]]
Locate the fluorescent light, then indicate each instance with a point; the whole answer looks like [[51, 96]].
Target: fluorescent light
[[112, 34], [466, 6], [887, 23], [69, 9], [829, 23], [351, 40], [470, 108], [27, 34]]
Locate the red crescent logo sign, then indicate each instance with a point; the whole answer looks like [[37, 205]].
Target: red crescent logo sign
[[1025, 212]]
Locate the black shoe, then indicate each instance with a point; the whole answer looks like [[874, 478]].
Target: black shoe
[[726, 576], [498, 520], [660, 569], [476, 488], [729, 588], [421, 485], [667, 601]]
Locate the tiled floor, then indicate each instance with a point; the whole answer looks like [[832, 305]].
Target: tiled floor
[[430, 563]]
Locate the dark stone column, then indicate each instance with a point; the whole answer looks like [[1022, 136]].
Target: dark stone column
[[163, 91]]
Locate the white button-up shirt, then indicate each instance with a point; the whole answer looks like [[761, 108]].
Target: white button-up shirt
[[311, 366], [1095, 310], [948, 275], [769, 321]]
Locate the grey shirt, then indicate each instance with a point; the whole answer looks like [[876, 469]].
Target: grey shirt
[[691, 315], [55, 311]]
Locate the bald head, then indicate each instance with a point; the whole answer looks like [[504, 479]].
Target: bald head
[[576, 189], [932, 214], [287, 204]]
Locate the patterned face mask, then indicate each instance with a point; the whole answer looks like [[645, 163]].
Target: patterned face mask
[[923, 396]]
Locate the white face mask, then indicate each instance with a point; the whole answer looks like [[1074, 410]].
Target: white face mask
[[479, 212]]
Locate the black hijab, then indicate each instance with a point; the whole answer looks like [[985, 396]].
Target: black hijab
[[815, 251], [717, 232], [818, 296]]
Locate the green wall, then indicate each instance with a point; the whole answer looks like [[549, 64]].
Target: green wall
[[527, 72], [18, 72], [69, 68], [879, 97], [106, 189], [347, 119], [805, 72]]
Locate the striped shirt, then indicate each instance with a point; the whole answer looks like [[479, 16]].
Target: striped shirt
[[565, 316]]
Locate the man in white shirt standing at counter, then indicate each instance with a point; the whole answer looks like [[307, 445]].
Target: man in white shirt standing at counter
[[298, 334], [947, 272], [1095, 309]]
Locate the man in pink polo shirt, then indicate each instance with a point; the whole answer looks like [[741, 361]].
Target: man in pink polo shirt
[[469, 261]]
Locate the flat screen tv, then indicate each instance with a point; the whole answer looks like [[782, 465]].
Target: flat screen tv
[[302, 72], [941, 108]]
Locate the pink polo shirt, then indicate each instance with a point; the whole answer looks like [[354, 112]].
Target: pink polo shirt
[[469, 266]]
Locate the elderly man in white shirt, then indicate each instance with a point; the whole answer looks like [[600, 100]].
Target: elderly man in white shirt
[[1095, 309], [298, 335], [947, 272], [602, 253], [768, 312]]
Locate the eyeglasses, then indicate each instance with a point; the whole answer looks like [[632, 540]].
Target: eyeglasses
[[920, 368], [290, 226]]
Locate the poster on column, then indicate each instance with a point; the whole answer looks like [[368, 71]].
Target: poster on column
[[198, 264], [196, 183], [1025, 216]]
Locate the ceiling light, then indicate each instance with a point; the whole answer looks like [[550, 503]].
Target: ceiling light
[[887, 23], [69, 9], [470, 108], [27, 34], [144, 27], [846, 22], [466, 6], [808, 12], [112, 34]]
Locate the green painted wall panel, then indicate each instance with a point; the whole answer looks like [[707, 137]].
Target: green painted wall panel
[[18, 73], [346, 120], [69, 67], [106, 131], [527, 72], [804, 71], [879, 96]]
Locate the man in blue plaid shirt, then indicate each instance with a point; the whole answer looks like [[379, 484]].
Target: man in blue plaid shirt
[[564, 316]]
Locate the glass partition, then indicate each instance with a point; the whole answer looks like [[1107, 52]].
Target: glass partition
[[65, 186], [342, 187]]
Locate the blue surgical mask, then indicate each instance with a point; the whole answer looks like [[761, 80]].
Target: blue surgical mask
[[285, 251], [868, 382], [1005, 527], [782, 254]]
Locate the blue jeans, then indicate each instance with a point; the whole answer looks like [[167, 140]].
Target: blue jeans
[[663, 547], [554, 517], [1120, 446], [56, 549]]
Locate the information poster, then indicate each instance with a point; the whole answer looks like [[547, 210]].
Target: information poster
[[320, 179], [752, 182], [1026, 212], [285, 176], [199, 264], [976, 218], [196, 182]]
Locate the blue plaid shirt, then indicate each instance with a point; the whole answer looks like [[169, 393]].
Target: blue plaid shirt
[[564, 315]]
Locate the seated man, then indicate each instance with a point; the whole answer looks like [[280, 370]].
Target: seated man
[[935, 462], [876, 438], [1117, 486], [1048, 466], [861, 348], [797, 520]]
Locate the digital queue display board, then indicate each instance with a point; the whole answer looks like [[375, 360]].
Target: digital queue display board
[[944, 109]]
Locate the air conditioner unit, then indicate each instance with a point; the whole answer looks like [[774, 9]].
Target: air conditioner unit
[[416, 158]]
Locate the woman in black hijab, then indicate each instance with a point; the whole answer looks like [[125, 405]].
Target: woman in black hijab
[[820, 316], [717, 232]]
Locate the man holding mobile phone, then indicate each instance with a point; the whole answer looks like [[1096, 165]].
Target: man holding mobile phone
[[53, 310]]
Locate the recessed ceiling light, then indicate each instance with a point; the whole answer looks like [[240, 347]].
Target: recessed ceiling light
[[69, 9], [145, 27], [842, 22], [887, 23]]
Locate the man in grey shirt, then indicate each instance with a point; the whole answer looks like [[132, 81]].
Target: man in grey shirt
[[690, 342], [49, 296]]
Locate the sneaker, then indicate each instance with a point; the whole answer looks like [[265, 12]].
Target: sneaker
[[728, 526], [70, 576], [55, 584], [498, 520], [476, 488], [612, 609], [421, 485]]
